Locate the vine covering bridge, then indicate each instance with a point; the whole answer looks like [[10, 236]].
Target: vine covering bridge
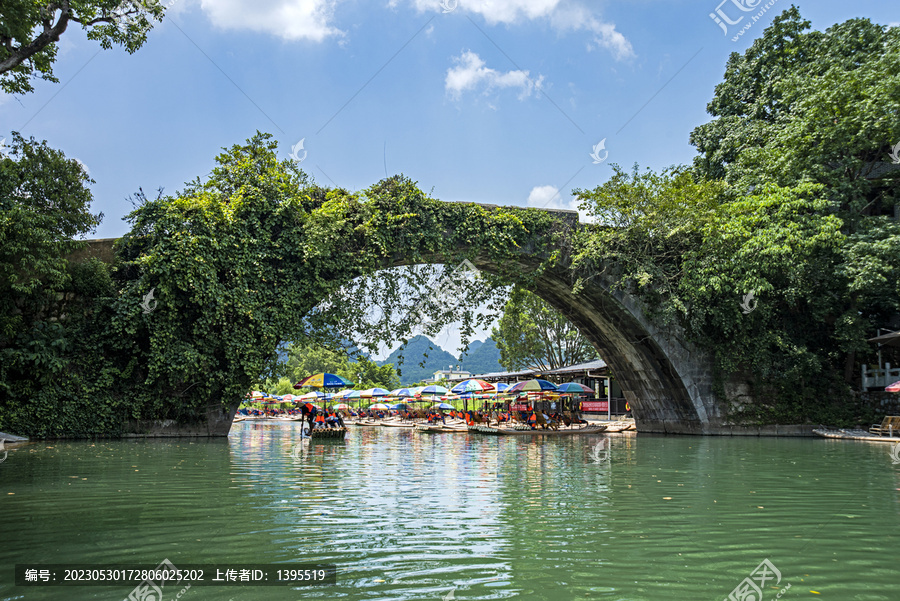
[[667, 381]]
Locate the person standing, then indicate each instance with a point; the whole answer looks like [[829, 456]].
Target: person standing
[[308, 411]]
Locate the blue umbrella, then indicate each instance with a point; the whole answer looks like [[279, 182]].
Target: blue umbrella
[[434, 389]]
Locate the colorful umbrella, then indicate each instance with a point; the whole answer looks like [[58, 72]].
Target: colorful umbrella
[[895, 387], [351, 394], [309, 396], [442, 406], [340, 406], [473, 385], [400, 407], [379, 407], [574, 388], [401, 393], [433, 389], [373, 392], [323, 380], [532, 386], [502, 386]]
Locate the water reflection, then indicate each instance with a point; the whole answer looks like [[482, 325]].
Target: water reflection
[[414, 516]]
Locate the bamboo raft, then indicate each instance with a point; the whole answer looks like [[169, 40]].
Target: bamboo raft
[[855, 435], [435, 428], [527, 431], [396, 423], [323, 433]]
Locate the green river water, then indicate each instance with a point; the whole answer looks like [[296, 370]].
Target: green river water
[[461, 516]]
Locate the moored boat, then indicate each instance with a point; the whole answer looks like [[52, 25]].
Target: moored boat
[[837, 433], [624, 426], [461, 427], [527, 431]]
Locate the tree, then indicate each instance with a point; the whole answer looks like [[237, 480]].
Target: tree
[[760, 280], [812, 106], [30, 30], [44, 204], [531, 333], [808, 106], [311, 358], [644, 223]]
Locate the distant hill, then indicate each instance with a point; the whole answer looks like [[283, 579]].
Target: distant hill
[[414, 354], [481, 358]]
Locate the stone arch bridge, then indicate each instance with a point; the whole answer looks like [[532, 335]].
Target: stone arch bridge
[[667, 381]]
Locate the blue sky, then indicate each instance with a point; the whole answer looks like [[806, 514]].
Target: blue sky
[[494, 101]]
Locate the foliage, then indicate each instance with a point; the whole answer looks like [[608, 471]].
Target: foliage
[[308, 359], [810, 106], [59, 369], [767, 281], [44, 204], [531, 333], [238, 264], [30, 30], [806, 106], [644, 222]]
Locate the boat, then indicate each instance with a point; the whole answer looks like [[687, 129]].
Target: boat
[[619, 426], [460, 427], [863, 435], [367, 423], [527, 431], [397, 424], [320, 433]]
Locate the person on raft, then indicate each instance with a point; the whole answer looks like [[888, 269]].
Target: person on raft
[[308, 412]]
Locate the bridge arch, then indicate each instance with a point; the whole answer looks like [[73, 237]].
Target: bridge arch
[[666, 380]]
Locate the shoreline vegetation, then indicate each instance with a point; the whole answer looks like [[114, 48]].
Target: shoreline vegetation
[[763, 267]]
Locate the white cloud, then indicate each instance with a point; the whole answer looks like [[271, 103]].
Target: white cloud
[[288, 19], [83, 165], [470, 73], [510, 11], [563, 15], [607, 37], [548, 197]]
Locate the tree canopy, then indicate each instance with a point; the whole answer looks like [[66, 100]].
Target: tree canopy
[[44, 205], [30, 30], [531, 333], [810, 106], [778, 249]]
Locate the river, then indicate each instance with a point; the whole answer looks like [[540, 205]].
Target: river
[[404, 515]]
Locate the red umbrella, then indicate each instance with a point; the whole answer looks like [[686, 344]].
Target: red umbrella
[[895, 387]]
